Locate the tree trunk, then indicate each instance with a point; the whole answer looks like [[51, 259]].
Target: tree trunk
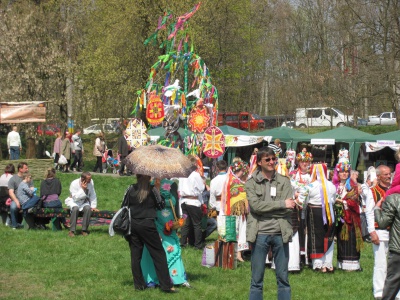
[[30, 148]]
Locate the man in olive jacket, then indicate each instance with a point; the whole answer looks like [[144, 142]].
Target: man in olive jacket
[[390, 216], [270, 197]]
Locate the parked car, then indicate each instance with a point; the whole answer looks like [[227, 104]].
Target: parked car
[[360, 122], [49, 129], [385, 118], [97, 128], [114, 122], [242, 120], [320, 116]]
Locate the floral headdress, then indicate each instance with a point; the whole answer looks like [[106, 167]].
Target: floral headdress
[[239, 165], [304, 156], [290, 158], [344, 163]]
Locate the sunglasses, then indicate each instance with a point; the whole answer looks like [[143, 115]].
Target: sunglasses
[[269, 159]]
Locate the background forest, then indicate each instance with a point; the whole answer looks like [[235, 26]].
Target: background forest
[[88, 58]]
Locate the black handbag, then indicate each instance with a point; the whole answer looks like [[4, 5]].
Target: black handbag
[[121, 222]]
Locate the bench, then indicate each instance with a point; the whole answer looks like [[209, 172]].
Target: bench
[[55, 213]]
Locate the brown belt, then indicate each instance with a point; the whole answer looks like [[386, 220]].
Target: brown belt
[[314, 206], [191, 197], [218, 198]]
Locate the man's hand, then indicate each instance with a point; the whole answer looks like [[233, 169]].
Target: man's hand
[[379, 203], [95, 209], [84, 184], [18, 204], [374, 238], [289, 203]]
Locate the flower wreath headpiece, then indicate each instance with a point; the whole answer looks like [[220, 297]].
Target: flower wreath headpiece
[[344, 164], [239, 165], [304, 156]]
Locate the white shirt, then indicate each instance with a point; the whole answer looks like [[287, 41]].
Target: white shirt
[[4, 179], [13, 139], [216, 187], [191, 186], [314, 190], [365, 188], [369, 214], [78, 196]]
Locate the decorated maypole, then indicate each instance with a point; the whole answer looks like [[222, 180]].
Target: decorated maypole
[[194, 105]]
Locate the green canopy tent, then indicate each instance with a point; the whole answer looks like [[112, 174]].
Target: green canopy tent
[[381, 141], [160, 132], [287, 135], [237, 138], [344, 134], [389, 136]]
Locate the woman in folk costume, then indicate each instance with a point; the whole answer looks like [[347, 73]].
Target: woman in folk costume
[[234, 201], [320, 196], [169, 240], [299, 178], [349, 236]]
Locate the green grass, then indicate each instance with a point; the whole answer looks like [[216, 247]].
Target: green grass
[[49, 265]]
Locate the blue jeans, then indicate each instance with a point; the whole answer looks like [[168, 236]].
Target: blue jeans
[[259, 253], [30, 203], [14, 152], [211, 226], [14, 210]]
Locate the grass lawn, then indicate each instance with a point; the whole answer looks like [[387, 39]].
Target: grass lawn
[[50, 265]]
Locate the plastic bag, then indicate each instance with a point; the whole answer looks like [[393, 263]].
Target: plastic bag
[[62, 160]]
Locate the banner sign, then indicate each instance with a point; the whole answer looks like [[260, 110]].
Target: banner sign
[[385, 143], [322, 141], [22, 112], [242, 140]]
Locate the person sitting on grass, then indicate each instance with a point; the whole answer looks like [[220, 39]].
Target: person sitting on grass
[[82, 198]]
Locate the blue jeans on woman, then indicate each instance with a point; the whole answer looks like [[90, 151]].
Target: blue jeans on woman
[[259, 253]]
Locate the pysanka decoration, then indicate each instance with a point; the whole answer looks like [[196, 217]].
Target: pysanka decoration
[[213, 142]]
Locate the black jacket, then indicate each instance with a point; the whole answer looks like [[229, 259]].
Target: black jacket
[[142, 210], [122, 146], [50, 186]]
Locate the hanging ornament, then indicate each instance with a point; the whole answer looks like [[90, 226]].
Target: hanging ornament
[[155, 110], [213, 142], [199, 119], [136, 133]]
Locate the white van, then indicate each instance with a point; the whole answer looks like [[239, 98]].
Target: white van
[[320, 116]]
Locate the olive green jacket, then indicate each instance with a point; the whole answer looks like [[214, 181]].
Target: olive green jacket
[[264, 206], [390, 216]]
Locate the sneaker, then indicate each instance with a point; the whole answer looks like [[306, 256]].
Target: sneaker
[[85, 233], [187, 285], [19, 226]]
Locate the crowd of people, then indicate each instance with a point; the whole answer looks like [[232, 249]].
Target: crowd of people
[[289, 217]]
